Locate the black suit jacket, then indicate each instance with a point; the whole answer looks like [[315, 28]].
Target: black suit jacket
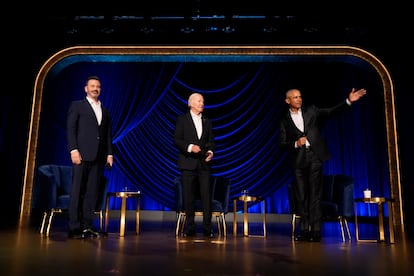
[[84, 133], [186, 134], [312, 117]]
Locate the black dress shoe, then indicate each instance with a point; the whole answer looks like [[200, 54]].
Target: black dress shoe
[[305, 236], [76, 234], [300, 238], [315, 237], [189, 233], [208, 234], [90, 233]]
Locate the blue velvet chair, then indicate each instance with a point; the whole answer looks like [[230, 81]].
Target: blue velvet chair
[[52, 194], [337, 202], [220, 187]]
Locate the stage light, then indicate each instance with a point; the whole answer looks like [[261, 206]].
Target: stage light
[[147, 30], [269, 29], [187, 30], [72, 31], [107, 30], [212, 29], [228, 30]]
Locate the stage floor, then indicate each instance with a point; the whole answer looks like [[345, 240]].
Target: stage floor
[[157, 251]]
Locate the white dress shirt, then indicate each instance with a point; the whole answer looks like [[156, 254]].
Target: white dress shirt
[[198, 123], [96, 106], [298, 120]]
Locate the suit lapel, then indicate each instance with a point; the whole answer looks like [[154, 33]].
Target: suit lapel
[[203, 123], [191, 122], [104, 115], [305, 122], [89, 107], [290, 120]]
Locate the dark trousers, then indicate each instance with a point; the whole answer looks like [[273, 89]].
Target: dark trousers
[[308, 192], [191, 178], [84, 194]]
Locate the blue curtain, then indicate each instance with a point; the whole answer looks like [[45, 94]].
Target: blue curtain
[[245, 101]]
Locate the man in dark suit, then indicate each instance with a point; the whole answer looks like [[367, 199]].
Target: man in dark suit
[[300, 135], [194, 139], [89, 136]]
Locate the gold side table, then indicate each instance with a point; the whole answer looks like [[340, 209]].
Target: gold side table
[[379, 201], [248, 199], [123, 195]]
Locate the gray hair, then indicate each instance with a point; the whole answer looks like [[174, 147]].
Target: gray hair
[[191, 98]]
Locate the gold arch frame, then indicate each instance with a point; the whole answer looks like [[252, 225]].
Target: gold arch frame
[[390, 117]]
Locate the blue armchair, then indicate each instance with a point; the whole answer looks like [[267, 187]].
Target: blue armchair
[[338, 200], [52, 194]]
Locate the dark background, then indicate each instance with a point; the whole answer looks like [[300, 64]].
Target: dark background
[[31, 40]]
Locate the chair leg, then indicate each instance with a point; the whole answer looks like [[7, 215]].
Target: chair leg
[[178, 223], [344, 223], [49, 222], [184, 219], [347, 228], [223, 219], [51, 215], [218, 219], [341, 225], [101, 216], [294, 217], [179, 229], [221, 224], [42, 227]]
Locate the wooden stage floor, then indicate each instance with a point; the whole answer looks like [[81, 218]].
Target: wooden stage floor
[[157, 251]]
